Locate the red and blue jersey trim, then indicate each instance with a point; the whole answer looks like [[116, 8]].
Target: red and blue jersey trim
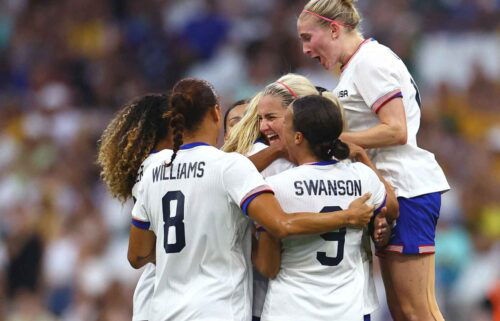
[[381, 206], [385, 99], [252, 195], [141, 224]]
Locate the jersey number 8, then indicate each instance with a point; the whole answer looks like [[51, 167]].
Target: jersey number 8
[[176, 221], [338, 236]]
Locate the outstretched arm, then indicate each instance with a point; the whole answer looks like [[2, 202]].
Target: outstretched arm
[[266, 211]]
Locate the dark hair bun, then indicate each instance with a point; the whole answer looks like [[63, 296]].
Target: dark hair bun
[[319, 119], [340, 150]]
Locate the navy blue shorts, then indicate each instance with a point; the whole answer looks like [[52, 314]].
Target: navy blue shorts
[[415, 228]]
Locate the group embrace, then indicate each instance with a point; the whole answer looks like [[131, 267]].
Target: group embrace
[[279, 224]]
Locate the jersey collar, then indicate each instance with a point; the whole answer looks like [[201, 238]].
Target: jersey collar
[[323, 163], [344, 66], [260, 140], [192, 145]]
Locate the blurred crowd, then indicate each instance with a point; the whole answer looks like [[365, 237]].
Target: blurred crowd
[[67, 65]]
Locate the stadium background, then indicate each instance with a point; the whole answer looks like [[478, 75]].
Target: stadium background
[[66, 66]]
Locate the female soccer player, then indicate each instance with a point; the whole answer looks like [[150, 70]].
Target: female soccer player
[[190, 217], [382, 106], [261, 124], [258, 134], [321, 277], [264, 118], [233, 115], [133, 138]]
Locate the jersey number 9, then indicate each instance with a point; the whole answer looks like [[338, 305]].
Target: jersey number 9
[[338, 236]]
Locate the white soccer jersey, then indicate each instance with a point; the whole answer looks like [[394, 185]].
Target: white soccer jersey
[[143, 294], [260, 282], [370, 297], [145, 285], [203, 238], [321, 277], [372, 77]]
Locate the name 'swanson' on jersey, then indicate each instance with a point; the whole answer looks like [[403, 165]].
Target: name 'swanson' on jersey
[[183, 171], [328, 187]]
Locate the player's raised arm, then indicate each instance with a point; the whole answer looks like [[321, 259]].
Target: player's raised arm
[[266, 210]]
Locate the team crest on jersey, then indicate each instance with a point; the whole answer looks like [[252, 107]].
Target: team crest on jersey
[[343, 93]]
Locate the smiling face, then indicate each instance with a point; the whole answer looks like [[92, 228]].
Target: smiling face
[[319, 42], [271, 116]]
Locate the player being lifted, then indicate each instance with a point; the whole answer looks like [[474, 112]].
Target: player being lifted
[[190, 217], [321, 277], [382, 107]]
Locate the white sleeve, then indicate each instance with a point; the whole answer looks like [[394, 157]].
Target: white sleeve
[[257, 147], [377, 81], [140, 218], [242, 181], [277, 166]]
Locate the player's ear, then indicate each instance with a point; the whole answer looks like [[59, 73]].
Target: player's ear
[[298, 138], [335, 30], [216, 113]]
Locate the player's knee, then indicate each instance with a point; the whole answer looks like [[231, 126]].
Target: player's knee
[[396, 313], [408, 313]]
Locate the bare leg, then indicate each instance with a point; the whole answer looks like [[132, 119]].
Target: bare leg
[[432, 291], [409, 283], [392, 299]]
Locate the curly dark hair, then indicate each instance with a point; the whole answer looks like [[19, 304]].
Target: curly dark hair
[[128, 139]]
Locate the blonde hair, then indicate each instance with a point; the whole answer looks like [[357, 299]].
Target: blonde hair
[[288, 88], [339, 10]]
